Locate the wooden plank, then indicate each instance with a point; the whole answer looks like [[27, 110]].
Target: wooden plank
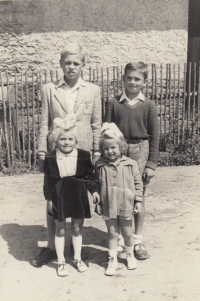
[[103, 94], [178, 107], [33, 123], [17, 121], [166, 90], [28, 122], [170, 111], [22, 112], [10, 119], [5, 128], [183, 105], [161, 92]]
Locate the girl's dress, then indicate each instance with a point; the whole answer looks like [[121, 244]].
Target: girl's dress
[[68, 181], [120, 186]]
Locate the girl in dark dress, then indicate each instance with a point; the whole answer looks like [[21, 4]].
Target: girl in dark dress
[[70, 175]]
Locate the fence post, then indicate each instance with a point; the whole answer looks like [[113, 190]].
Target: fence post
[[5, 128]]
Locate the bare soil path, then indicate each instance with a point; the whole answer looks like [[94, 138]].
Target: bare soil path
[[172, 237]]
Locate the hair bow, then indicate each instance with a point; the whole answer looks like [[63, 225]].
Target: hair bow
[[65, 123], [110, 130]]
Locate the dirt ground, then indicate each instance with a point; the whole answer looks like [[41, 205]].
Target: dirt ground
[[172, 237]]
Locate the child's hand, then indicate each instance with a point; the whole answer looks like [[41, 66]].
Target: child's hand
[[137, 207], [95, 158], [50, 206], [96, 198], [148, 174], [41, 162]]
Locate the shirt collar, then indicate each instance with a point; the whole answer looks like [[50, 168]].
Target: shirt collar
[[139, 97], [123, 159], [62, 81]]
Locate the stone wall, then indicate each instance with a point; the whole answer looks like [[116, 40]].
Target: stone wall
[[33, 32]]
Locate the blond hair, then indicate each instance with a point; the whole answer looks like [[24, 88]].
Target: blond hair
[[73, 48]]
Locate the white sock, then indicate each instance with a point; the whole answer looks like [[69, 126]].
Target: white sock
[[60, 245], [112, 253], [137, 239], [129, 250], [77, 243]]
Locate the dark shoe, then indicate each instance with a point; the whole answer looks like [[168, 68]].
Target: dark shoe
[[140, 252], [45, 255]]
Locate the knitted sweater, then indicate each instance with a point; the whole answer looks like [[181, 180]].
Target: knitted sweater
[[139, 121]]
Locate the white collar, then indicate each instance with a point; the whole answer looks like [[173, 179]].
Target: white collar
[[139, 97], [79, 83]]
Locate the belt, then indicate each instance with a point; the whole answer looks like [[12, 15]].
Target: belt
[[136, 141]]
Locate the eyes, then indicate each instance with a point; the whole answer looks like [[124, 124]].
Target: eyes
[[109, 148], [69, 63], [64, 139], [136, 79]]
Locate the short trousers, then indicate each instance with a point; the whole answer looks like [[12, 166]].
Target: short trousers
[[127, 218], [140, 153]]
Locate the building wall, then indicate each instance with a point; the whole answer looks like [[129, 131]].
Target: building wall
[[33, 32]]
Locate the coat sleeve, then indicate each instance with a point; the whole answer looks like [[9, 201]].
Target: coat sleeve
[[91, 181], [45, 122], [48, 182], [96, 118], [109, 111], [138, 183]]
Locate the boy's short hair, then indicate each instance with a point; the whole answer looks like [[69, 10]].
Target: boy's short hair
[[120, 140], [140, 66], [73, 48]]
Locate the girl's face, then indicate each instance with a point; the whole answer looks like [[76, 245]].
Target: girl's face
[[111, 150], [66, 142]]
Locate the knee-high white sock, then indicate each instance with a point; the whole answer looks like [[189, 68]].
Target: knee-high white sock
[[60, 245], [137, 239], [77, 243]]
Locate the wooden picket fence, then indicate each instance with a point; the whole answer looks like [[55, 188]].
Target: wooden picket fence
[[175, 89]]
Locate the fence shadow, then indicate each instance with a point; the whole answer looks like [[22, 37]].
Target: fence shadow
[[22, 241]]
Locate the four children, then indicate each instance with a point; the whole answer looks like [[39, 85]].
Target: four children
[[128, 144]]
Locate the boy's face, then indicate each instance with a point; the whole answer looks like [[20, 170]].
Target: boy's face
[[66, 142], [72, 66], [133, 82]]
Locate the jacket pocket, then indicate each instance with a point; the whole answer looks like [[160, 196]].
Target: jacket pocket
[[88, 108]]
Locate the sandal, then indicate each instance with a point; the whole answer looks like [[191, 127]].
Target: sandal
[[140, 252]]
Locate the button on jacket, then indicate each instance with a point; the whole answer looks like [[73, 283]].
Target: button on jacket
[[120, 186]]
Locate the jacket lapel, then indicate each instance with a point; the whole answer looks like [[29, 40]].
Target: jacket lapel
[[80, 97], [60, 97]]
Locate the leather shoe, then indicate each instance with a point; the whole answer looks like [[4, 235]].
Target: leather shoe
[[45, 255]]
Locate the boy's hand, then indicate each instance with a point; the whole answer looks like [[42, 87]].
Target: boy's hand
[[148, 174], [137, 207], [95, 158], [96, 198], [41, 162]]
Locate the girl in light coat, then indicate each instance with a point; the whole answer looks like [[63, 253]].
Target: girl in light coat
[[121, 191]]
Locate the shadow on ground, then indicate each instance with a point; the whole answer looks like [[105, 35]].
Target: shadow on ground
[[22, 241]]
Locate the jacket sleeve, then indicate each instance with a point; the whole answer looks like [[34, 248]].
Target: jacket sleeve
[[45, 122], [91, 181], [138, 183], [96, 118], [153, 131], [109, 111], [48, 182]]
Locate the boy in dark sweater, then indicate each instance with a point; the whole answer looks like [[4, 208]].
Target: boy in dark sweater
[[136, 117]]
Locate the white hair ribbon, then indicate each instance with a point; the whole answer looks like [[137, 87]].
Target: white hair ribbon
[[110, 130], [65, 123]]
